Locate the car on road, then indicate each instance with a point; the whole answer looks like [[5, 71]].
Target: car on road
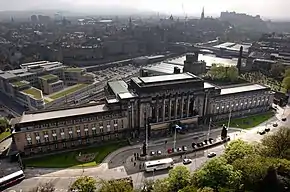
[[184, 148], [210, 140], [284, 119], [193, 145], [261, 132], [179, 149], [159, 152], [186, 161], [211, 155], [169, 151], [275, 125], [267, 129], [152, 153]]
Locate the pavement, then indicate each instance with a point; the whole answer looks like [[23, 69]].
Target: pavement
[[119, 164], [4, 145]]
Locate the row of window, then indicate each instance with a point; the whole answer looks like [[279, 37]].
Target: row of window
[[238, 105], [71, 132], [76, 121]]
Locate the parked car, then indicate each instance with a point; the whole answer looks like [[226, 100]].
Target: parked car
[[152, 153], [169, 151], [267, 129], [179, 149], [211, 154], [159, 152], [186, 161], [184, 148], [211, 140], [193, 145], [275, 125], [284, 119], [261, 132]]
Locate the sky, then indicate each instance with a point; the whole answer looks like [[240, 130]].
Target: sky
[[265, 8]]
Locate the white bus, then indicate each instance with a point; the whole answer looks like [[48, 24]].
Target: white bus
[[11, 179], [159, 164]]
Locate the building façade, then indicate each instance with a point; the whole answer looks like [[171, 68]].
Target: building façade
[[145, 103]]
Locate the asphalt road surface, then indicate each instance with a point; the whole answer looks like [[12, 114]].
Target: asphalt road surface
[[121, 163], [121, 167]]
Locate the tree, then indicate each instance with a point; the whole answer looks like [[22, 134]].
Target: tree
[[216, 174], [116, 186], [178, 178], [277, 70], [219, 72], [161, 185], [238, 149], [205, 189], [45, 187], [188, 188], [277, 144], [286, 83], [84, 184], [253, 169]]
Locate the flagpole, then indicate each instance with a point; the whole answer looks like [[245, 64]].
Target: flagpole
[[174, 142], [209, 127], [230, 117]]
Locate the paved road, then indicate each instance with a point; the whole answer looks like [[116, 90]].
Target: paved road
[[63, 178]]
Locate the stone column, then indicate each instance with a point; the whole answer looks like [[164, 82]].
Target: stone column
[[181, 107], [156, 109], [188, 104], [170, 107], [163, 109], [175, 106]]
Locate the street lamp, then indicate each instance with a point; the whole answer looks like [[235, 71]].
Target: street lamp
[[80, 154], [20, 161], [175, 128], [209, 127], [230, 115]]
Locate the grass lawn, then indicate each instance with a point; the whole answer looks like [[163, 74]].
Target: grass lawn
[[68, 159], [68, 91], [33, 92], [4, 134], [248, 122]]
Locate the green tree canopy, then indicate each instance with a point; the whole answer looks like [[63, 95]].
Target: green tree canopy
[[238, 149], [84, 184], [116, 186], [253, 168], [286, 82], [277, 144], [216, 174], [161, 185], [277, 70], [220, 72], [178, 178]]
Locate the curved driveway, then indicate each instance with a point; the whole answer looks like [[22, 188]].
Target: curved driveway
[[121, 164]]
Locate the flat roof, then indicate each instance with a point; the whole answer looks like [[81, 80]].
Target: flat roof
[[244, 88], [165, 68], [49, 76], [7, 75], [118, 87], [162, 78], [27, 118]]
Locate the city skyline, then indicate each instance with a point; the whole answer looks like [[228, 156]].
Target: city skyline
[[269, 9]]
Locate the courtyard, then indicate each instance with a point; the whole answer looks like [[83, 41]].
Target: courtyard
[[249, 121], [80, 158]]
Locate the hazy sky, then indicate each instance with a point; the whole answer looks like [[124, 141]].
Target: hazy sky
[[266, 8]]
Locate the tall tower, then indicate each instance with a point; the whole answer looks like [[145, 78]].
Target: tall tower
[[202, 14], [239, 64]]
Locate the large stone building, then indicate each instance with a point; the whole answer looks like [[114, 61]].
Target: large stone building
[[146, 103]]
